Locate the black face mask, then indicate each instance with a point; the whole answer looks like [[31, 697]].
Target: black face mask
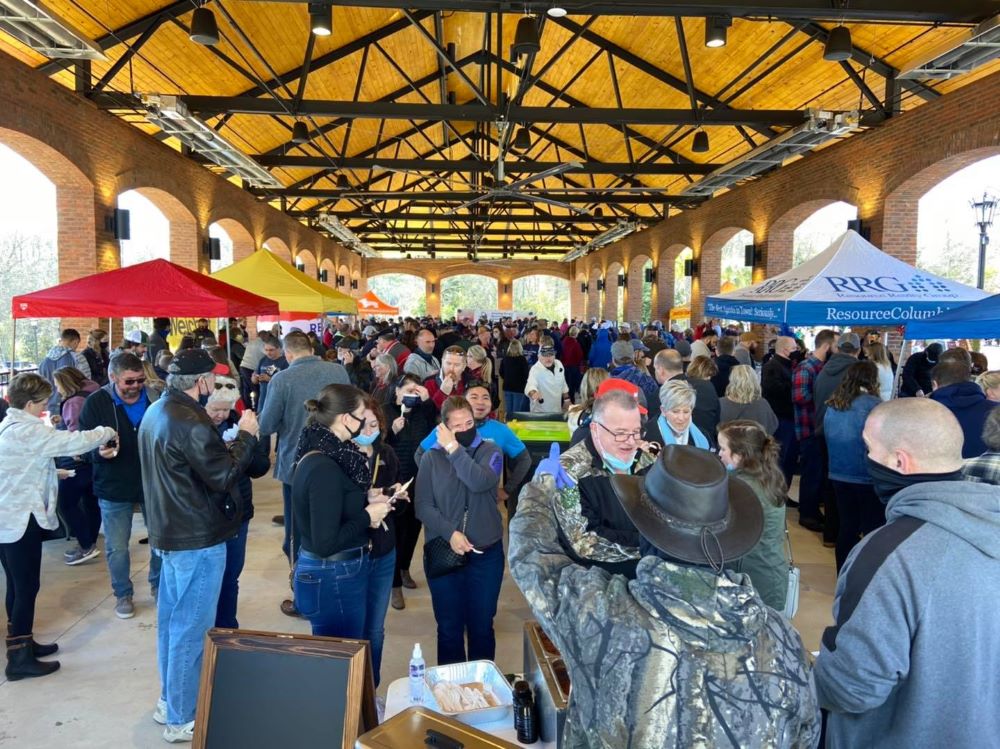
[[888, 482], [466, 438], [361, 425]]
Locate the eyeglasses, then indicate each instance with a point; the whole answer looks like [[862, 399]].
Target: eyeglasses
[[221, 386], [622, 437], [135, 381]]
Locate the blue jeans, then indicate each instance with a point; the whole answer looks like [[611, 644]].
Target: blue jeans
[[379, 589], [514, 401], [465, 602], [189, 595], [333, 596], [117, 517], [236, 554]]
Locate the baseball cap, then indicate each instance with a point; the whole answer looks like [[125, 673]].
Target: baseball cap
[[369, 330], [349, 342], [547, 351], [621, 350], [136, 336], [387, 334], [638, 345], [849, 342], [614, 383], [194, 361]]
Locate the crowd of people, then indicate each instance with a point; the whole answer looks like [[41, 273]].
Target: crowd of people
[[651, 545]]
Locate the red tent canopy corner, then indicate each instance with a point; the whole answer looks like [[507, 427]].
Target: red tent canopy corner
[[369, 304]]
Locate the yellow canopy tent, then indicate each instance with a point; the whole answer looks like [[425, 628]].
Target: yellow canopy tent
[[264, 274]]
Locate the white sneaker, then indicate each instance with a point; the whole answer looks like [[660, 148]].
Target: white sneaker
[[179, 734], [160, 713]]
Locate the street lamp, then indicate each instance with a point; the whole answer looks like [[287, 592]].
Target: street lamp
[[984, 210]]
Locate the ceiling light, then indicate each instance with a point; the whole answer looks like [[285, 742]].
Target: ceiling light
[[838, 45], [700, 142], [342, 182], [300, 132], [522, 139], [321, 19], [526, 40], [204, 29], [598, 212], [39, 28], [715, 30], [556, 11]]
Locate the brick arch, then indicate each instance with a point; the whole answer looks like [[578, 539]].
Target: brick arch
[[666, 279], [76, 235], [902, 204], [635, 284], [306, 258], [242, 239], [611, 290], [185, 237], [343, 270], [497, 273], [362, 283], [780, 244], [710, 261], [279, 248], [331, 270]]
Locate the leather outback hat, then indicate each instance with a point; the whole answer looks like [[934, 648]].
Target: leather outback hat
[[691, 508]]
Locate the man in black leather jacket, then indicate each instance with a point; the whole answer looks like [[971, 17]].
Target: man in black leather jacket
[[189, 479]]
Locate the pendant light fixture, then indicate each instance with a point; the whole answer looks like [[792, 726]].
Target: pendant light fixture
[[522, 139], [321, 19], [556, 11], [204, 29], [300, 132], [342, 182], [715, 30], [838, 45], [526, 39], [700, 142]]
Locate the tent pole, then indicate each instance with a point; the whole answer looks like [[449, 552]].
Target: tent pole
[[13, 347], [229, 344], [904, 354]]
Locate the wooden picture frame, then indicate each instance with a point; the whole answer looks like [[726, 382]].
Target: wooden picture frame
[[225, 646]]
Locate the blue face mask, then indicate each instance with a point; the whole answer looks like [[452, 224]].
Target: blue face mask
[[617, 464], [364, 440], [729, 467], [411, 401]]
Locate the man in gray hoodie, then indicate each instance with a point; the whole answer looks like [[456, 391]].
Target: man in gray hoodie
[[64, 354], [912, 660]]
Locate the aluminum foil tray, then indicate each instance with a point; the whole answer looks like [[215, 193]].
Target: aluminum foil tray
[[464, 673]]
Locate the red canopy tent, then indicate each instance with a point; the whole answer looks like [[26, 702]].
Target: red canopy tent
[[157, 288], [369, 304]]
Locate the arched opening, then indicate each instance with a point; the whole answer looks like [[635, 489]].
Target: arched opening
[[947, 235], [279, 248], [613, 297], [666, 278], [150, 239], [403, 290], [305, 261], [640, 291], [173, 227], [226, 251], [818, 230], [735, 272], [546, 296], [328, 267], [243, 245], [468, 293], [28, 255]]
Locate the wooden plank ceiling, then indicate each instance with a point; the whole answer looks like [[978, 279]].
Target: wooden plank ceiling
[[584, 62]]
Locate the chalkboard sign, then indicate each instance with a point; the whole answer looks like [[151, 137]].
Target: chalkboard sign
[[261, 690]]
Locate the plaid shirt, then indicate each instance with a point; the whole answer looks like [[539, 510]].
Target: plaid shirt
[[984, 469], [802, 396]]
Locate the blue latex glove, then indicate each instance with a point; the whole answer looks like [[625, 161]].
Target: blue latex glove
[[552, 467]]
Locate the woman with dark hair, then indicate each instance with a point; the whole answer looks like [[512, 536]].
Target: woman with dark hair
[[753, 455], [77, 501], [96, 354], [860, 509], [514, 370], [28, 494], [457, 503], [331, 516], [384, 373], [410, 417]]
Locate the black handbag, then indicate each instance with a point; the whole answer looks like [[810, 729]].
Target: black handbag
[[439, 558]]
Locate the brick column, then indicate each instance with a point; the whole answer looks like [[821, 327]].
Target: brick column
[[433, 296]]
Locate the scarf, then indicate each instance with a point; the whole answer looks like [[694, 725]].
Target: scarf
[[429, 358], [697, 438], [350, 459]]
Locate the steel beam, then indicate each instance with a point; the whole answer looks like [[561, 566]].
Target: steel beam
[[401, 215], [444, 196], [483, 167]]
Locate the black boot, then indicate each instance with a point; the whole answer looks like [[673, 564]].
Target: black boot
[[41, 651], [21, 661]]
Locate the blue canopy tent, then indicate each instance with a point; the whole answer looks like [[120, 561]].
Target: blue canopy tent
[[977, 320], [851, 283]]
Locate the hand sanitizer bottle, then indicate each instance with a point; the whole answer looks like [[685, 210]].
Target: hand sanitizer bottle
[[417, 667]]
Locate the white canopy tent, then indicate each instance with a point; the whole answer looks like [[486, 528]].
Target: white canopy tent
[[850, 283]]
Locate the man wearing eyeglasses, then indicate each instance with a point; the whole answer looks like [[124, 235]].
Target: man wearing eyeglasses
[[121, 404], [593, 524]]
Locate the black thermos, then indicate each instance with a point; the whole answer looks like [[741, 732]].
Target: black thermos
[[525, 713]]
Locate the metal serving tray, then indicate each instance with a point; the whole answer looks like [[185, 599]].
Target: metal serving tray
[[409, 729], [463, 673]]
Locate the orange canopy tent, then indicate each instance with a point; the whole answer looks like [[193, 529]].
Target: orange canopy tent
[[369, 304]]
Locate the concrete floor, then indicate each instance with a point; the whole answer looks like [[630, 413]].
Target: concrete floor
[[105, 692]]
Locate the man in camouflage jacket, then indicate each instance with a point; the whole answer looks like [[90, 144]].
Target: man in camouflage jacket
[[679, 657]]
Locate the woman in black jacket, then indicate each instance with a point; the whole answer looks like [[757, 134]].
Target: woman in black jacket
[[514, 373], [221, 411], [331, 515], [410, 416]]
